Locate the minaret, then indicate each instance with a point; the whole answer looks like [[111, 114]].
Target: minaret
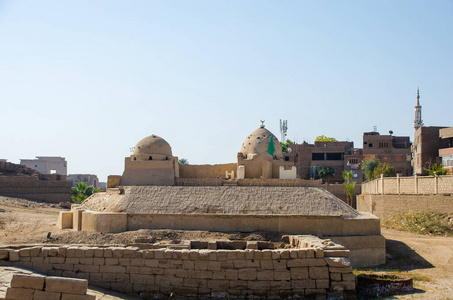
[[418, 113]]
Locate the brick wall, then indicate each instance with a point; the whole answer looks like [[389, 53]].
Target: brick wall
[[196, 272], [31, 187]]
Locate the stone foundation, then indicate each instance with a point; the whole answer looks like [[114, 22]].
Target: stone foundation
[[323, 270]]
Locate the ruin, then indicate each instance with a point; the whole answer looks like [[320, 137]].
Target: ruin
[[156, 192]]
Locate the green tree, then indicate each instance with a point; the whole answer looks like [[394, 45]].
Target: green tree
[[183, 161], [384, 169], [285, 146], [349, 186], [324, 173], [368, 166], [82, 191], [323, 138], [437, 169]]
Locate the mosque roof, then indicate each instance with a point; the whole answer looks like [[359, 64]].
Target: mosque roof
[[257, 143]]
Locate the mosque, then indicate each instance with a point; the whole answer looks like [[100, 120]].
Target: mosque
[[257, 193]]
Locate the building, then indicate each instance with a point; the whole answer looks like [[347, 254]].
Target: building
[[394, 150], [340, 156], [89, 179], [47, 164], [446, 154], [425, 150]]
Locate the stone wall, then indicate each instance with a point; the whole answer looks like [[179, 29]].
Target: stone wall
[[31, 187], [385, 205], [410, 185], [36, 287], [197, 272]]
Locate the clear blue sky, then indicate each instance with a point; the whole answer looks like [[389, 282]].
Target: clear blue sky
[[87, 80]]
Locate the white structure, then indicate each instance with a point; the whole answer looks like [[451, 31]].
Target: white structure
[[288, 174], [418, 113], [47, 164]]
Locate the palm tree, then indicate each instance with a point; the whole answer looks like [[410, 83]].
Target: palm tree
[[349, 186], [183, 161], [82, 191]]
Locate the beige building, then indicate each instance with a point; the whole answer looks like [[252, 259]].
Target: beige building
[[89, 179], [47, 164], [446, 154], [394, 150]]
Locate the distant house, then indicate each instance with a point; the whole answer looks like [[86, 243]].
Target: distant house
[[89, 179], [47, 164]]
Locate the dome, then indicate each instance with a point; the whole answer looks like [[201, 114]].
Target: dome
[[257, 143], [152, 145]]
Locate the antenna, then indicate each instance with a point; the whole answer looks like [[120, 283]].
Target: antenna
[[375, 128], [131, 149], [283, 130]]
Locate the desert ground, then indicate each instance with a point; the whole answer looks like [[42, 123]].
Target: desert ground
[[427, 259]]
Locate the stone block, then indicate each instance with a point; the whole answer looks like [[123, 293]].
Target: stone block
[[280, 285], [121, 287], [322, 283], [145, 279], [43, 295], [77, 297], [34, 251], [303, 284], [267, 265], [215, 275], [348, 276], [340, 270], [37, 259], [252, 245], [265, 275], [86, 261], [133, 270], [343, 285], [24, 252], [337, 253], [214, 266], [110, 261], [231, 274], [251, 263], [318, 272], [247, 274], [56, 260], [98, 261], [279, 264], [112, 269], [63, 267], [299, 273], [86, 268], [72, 260], [308, 262], [27, 281], [4, 254], [239, 264], [19, 294], [188, 265], [335, 276], [282, 275], [66, 285], [14, 255], [262, 286]]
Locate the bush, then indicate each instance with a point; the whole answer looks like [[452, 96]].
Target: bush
[[429, 223]]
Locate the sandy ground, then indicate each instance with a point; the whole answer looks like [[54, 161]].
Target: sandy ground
[[429, 260]]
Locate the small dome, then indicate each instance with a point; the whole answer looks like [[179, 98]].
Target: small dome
[[257, 143], [152, 144]]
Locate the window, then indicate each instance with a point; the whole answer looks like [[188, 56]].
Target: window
[[370, 145], [383, 144], [353, 161], [334, 156], [286, 158], [53, 171], [447, 161], [317, 156]]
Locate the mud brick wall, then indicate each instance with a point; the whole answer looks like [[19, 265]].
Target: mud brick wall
[[32, 187], [196, 273]]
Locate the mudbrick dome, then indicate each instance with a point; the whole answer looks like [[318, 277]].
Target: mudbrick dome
[[257, 143], [152, 147]]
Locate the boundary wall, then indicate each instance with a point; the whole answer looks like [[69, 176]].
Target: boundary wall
[[413, 185], [384, 206], [50, 190], [282, 273]]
